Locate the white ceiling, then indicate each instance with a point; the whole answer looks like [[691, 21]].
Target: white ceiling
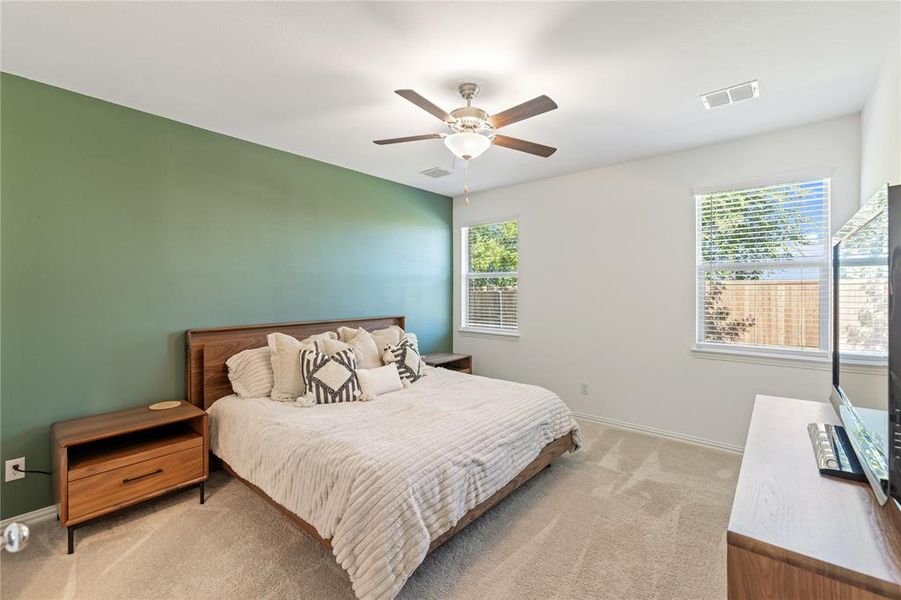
[[317, 79]]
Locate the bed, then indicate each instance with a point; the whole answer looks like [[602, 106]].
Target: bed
[[381, 483]]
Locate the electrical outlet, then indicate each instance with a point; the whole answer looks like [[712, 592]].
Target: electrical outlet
[[584, 389], [12, 475]]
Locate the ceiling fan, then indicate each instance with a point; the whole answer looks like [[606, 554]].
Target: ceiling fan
[[473, 130]]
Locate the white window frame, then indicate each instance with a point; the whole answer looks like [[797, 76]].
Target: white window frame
[[762, 353], [466, 275]]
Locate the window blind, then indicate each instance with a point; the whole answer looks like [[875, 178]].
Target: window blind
[[763, 257], [863, 290], [491, 277]]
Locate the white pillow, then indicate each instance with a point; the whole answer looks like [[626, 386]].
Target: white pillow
[[365, 350], [382, 380], [390, 336], [284, 355], [345, 334], [330, 347], [250, 373], [368, 355]]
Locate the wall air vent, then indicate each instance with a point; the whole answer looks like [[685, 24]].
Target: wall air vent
[[731, 95], [435, 172]]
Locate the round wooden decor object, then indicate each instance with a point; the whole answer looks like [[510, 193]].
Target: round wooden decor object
[[165, 405]]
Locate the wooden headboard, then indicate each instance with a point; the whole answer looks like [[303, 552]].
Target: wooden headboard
[[206, 350]]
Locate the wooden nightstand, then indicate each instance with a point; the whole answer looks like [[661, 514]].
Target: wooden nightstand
[[446, 360], [109, 461]]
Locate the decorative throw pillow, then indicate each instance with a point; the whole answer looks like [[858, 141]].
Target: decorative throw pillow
[[250, 373], [332, 346], [345, 334], [368, 355], [406, 356], [329, 379], [284, 354], [390, 336], [413, 339], [374, 382]]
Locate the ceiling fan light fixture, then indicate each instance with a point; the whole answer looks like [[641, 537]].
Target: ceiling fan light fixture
[[473, 130], [467, 146]]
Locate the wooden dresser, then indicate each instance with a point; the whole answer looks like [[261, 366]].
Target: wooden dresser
[[798, 535], [106, 462]]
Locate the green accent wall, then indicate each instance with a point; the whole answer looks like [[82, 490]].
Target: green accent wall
[[119, 230]]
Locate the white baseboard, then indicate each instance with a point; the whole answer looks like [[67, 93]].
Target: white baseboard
[[36, 516], [681, 437]]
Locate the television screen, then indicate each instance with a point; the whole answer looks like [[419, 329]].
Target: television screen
[[861, 333]]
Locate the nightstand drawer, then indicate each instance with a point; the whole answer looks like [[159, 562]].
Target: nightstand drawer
[[119, 487]]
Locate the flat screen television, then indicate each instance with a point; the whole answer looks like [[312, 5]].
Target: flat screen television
[[866, 350]]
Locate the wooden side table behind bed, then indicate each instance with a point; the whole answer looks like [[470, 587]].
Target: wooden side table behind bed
[[448, 360]]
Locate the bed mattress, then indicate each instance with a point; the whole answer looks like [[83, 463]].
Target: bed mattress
[[383, 478]]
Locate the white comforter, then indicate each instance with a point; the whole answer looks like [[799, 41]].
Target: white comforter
[[382, 479]]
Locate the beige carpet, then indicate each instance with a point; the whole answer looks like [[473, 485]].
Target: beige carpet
[[628, 517]]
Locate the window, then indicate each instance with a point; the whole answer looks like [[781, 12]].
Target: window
[[491, 277], [863, 284], [763, 268]]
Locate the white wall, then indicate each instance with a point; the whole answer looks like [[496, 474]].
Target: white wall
[[607, 291], [880, 129]]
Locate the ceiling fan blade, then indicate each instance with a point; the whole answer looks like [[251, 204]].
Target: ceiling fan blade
[[526, 110], [523, 146], [412, 138], [424, 104]]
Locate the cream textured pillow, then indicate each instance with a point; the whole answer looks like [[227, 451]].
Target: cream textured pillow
[[374, 382], [368, 355], [330, 347], [250, 373], [345, 334], [390, 336], [284, 355]]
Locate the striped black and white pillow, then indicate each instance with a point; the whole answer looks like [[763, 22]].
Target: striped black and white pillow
[[329, 379], [406, 356]]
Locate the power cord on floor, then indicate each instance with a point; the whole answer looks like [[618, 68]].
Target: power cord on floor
[[19, 469]]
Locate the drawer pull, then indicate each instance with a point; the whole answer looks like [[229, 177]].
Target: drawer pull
[[130, 479]]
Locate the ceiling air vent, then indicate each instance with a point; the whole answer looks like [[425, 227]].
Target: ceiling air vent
[[731, 95], [435, 172]]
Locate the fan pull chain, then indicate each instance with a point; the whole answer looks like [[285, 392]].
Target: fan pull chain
[[466, 185]]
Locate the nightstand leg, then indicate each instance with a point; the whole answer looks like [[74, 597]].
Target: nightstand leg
[[70, 532], [202, 499]]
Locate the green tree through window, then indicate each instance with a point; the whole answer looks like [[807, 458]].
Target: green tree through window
[[491, 294], [494, 248]]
